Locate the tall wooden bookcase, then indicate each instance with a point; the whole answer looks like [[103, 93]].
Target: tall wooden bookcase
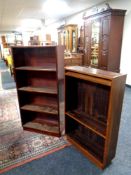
[[39, 75], [93, 109]]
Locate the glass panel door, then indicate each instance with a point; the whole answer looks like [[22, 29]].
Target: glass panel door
[[95, 43]]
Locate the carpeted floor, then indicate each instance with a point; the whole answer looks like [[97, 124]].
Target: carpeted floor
[[7, 81], [2, 65], [17, 146], [70, 161]]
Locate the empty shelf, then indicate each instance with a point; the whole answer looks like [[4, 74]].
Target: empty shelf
[[39, 90], [89, 123], [31, 68], [42, 109], [42, 127]]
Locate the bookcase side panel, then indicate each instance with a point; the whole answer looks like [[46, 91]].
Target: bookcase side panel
[[114, 117], [61, 87]]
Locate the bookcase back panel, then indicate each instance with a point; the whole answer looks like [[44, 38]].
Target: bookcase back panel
[[87, 98], [36, 79], [34, 56], [71, 93], [38, 99], [39, 122], [28, 116]]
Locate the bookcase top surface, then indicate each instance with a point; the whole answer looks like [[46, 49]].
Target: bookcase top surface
[[48, 46], [94, 72]]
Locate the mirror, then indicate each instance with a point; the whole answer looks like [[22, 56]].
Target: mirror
[[95, 43], [73, 41]]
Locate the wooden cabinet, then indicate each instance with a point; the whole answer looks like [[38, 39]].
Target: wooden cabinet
[[103, 39], [93, 109], [39, 75], [73, 59], [81, 40], [68, 36]]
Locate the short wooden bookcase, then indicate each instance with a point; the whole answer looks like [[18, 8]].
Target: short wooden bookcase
[[93, 109]]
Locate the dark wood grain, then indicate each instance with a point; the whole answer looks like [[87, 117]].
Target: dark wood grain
[[30, 68], [94, 72], [111, 22], [43, 109], [94, 125], [93, 111], [39, 90], [39, 75], [41, 127]]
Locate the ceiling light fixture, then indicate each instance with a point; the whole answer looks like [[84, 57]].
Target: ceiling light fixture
[[56, 8]]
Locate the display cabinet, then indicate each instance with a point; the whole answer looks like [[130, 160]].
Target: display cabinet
[[68, 36], [103, 38], [94, 100], [39, 75]]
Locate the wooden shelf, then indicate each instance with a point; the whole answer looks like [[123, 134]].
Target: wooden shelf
[[91, 147], [89, 123], [39, 68], [43, 127], [46, 120], [39, 90], [41, 109]]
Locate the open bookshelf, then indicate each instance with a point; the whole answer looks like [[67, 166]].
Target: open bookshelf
[[93, 108], [39, 75]]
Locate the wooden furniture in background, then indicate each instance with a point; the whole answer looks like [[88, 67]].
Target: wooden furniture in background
[[48, 39], [39, 75], [81, 41], [73, 59], [34, 41], [68, 36], [4, 42], [103, 39], [93, 109]]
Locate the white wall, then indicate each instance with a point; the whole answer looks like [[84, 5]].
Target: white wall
[[76, 19], [126, 49], [26, 37]]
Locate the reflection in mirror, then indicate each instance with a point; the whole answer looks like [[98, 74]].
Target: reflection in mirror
[[95, 43], [73, 41]]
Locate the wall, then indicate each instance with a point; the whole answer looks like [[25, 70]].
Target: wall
[[126, 48], [126, 43], [75, 19]]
